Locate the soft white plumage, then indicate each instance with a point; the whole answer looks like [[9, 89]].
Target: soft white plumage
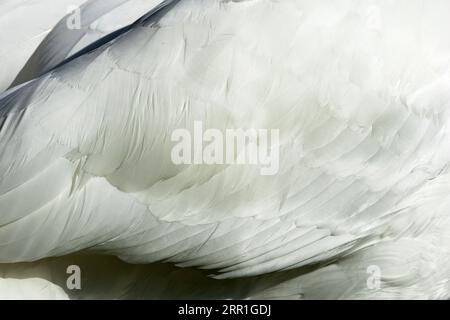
[[359, 91], [24, 24]]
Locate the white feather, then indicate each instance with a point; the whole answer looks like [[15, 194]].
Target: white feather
[[359, 91]]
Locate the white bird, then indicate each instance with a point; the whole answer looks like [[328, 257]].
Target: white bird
[[359, 91]]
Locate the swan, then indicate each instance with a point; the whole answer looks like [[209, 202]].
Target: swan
[[358, 91]]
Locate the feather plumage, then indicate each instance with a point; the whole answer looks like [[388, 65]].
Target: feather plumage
[[364, 146]]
